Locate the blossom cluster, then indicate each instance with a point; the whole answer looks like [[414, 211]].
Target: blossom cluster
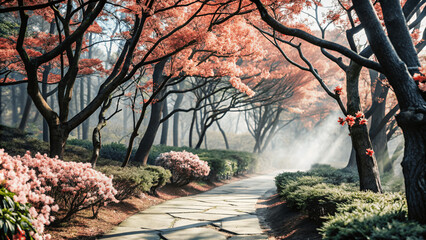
[[338, 90], [50, 184], [240, 86], [369, 152], [421, 78], [351, 120], [20, 179], [184, 166]]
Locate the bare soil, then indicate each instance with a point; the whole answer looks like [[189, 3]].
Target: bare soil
[[282, 222], [84, 227]]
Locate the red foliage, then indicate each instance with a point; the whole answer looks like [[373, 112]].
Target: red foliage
[[369, 152], [341, 121], [350, 120], [338, 90]]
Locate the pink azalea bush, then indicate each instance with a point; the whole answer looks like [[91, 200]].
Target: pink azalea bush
[[50, 185], [184, 166]]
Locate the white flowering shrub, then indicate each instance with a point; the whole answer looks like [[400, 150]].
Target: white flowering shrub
[[184, 166]]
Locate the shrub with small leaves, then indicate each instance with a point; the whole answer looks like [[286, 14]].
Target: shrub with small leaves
[[15, 218], [131, 181], [385, 218], [330, 196], [184, 166]]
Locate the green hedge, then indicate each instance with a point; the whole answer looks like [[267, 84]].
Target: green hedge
[[131, 181], [114, 151], [16, 142], [384, 218], [223, 163], [332, 196]]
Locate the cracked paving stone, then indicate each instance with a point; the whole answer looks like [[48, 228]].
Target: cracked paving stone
[[180, 223], [148, 221], [119, 233], [195, 234], [242, 225], [201, 216], [230, 208]]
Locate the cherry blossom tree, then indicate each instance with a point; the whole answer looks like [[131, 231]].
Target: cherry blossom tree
[[397, 59], [151, 31]]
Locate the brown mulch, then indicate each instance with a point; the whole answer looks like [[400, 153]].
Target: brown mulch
[[283, 222], [83, 227]]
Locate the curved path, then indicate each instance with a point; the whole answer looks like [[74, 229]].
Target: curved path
[[226, 212]]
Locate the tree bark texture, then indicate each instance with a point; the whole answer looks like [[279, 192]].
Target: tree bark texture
[[225, 139], [177, 104], [396, 60], [96, 135], [165, 124], [25, 114], [145, 144], [379, 141], [367, 166]]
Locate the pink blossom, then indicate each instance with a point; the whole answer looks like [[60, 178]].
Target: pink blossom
[[185, 166], [36, 179]]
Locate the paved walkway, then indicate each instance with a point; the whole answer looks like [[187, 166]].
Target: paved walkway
[[226, 212]]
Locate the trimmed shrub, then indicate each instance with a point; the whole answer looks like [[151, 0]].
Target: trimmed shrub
[[131, 181], [15, 219], [385, 218], [223, 163], [184, 166], [282, 179], [114, 151], [160, 177], [333, 175], [329, 195], [81, 143]]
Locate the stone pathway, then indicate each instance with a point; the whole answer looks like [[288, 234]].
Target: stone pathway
[[226, 212]]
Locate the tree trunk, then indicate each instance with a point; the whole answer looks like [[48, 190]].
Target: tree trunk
[[84, 131], [25, 114], [46, 72], [379, 141], [191, 128], [22, 98], [14, 106], [148, 138], [86, 123], [96, 135], [352, 161], [225, 139], [164, 125], [76, 110], [367, 166], [201, 138], [203, 133], [1, 107], [125, 119], [58, 138], [399, 60], [145, 145], [178, 102]]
